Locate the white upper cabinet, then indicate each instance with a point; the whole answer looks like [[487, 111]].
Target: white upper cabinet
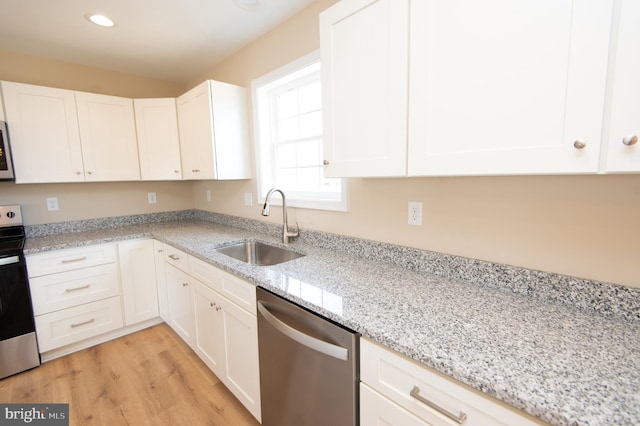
[[108, 136], [59, 135], [158, 143], [503, 87], [364, 48], [623, 147], [437, 88], [212, 123], [43, 127]]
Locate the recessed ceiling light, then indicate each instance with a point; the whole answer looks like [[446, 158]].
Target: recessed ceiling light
[[249, 4], [101, 20]]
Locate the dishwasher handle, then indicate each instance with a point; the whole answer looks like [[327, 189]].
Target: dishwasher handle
[[313, 343]]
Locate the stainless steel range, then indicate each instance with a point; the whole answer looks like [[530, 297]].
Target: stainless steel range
[[18, 345]]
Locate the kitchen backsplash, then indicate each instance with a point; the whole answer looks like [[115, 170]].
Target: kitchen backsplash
[[607, 299]]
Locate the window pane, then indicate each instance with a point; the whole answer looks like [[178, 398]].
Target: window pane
[[309, 153], [288, 104], [287, 156], [287, 179], [310, 97], [311, 124], [309, 178], [289, 129]]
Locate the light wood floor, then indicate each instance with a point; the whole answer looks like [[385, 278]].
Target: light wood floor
[[147, 378]]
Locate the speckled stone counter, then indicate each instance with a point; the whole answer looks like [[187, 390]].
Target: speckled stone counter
[[568, 359]]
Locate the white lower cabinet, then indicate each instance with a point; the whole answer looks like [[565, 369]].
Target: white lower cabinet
[[138, 277], [209, 343], [161, 280], [226, 336], [71, 325], [375, 409], [88, 295], [214, 312], [399, 391], [180, 309]]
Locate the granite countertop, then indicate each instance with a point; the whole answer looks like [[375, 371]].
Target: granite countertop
[[564, 365]]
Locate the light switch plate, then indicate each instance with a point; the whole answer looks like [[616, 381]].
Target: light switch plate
[[151, 196], [248, 199]]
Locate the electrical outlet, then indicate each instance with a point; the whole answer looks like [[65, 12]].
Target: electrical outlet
[[151, 196], [415, 213], [248, 199], [208, 195], [52, 204]]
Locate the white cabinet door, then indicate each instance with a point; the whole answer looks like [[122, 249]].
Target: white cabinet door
[[212, 123], [241, 355], [161, 280], [209, 328], [43, 126], [508, 92], [108, 135], [364, 55], [138, 277], [179, 303], [623, 154], [158, 143]]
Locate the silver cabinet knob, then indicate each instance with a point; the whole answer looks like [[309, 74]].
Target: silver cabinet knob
[[325, 162], [176, 171], [630, 140], [579, 144], [78, 173], [89, 172]]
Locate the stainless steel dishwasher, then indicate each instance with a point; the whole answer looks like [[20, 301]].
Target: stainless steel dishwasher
[[308, 366]]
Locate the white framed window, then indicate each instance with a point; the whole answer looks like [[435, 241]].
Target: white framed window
[[287, 110]]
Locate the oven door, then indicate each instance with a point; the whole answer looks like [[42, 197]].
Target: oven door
[[16, 313], [6, 165]]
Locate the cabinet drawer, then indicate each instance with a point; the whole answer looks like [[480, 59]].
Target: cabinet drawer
[[395, 376], [176, 257], [375, 409], [233, 288], [69, 259], [205, 273], [71, 325], [240, 292], [59, 291]]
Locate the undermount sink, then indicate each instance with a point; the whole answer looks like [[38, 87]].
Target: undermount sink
[[257, 253]]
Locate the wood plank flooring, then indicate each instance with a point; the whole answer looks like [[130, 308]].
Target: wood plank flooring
[[147, 378]]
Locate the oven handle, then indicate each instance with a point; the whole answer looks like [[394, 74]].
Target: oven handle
[[317, 345], [9, 260]]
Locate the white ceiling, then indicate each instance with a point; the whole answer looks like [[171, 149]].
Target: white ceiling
[[173, 40]]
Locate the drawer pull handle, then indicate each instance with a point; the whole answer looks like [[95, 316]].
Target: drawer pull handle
[[415, 393], [174, 257], [83, 323], [70, 290], [77, 259]]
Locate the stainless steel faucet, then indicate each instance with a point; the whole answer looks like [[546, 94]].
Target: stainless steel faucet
[[286, 234]]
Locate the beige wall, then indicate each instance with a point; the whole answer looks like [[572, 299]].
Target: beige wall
[[578, 225], [46, 72], [93, 200], [584, 226]]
